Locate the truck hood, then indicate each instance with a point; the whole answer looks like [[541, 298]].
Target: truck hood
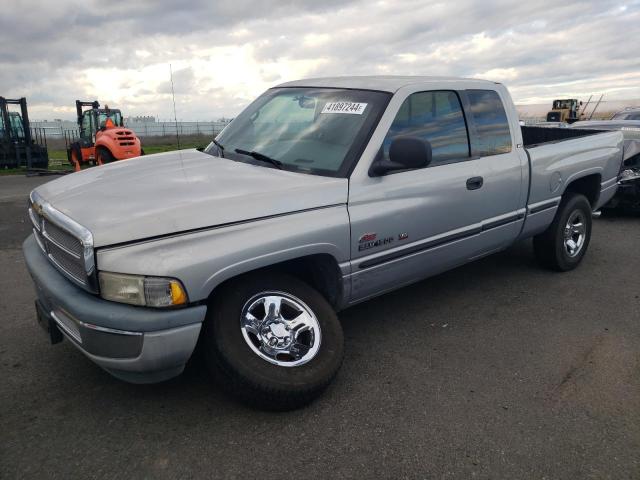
[[179, 191]]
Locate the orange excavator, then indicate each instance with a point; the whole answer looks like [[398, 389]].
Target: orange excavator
[[103, 137]]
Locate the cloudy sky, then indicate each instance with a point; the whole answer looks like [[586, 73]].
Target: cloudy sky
[[224, 53]]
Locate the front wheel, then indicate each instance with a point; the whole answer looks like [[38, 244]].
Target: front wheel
[[563, 245], [272, 341]]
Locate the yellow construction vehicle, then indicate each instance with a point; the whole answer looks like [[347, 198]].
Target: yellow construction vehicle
[[565, 111]]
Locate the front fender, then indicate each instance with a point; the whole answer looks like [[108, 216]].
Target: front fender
[[203, 260]]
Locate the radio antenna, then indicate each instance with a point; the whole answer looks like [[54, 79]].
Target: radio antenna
[[175, 116]]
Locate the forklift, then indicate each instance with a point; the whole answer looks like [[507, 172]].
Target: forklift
[[102, 138], [19, 147]]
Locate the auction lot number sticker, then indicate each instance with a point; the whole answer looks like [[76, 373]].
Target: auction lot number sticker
[[353, 108]]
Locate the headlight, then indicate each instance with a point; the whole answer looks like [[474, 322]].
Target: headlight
[[139, 290]]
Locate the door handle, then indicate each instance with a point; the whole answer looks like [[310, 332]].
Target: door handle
[[474, 183]]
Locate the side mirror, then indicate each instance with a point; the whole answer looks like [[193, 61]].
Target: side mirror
[[405, 153]]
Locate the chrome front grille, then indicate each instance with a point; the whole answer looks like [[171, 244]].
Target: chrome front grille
[[63, 239], [68, 246], [71, 265]]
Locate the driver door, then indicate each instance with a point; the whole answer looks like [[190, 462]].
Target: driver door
[[412, 224]]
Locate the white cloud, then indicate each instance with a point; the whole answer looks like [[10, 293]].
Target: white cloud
[[225, 53]]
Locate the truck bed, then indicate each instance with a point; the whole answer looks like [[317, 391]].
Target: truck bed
[[533, 136], [557, 156], [557, 161]]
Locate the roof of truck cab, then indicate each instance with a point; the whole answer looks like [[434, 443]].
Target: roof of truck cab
[[389, 83]]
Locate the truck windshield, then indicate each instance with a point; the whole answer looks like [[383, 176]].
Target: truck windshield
[[321, 131]]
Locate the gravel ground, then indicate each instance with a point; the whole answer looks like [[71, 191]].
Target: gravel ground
[[498, 369]]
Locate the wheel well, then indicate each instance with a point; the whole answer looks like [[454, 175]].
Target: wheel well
[[321, 271], [588, 186]]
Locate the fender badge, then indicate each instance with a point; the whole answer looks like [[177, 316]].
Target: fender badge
[[368, 241], [367, 237]]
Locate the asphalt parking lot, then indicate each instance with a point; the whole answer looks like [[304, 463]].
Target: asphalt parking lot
[[498, 369]]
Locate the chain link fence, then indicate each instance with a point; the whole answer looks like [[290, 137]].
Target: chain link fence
[[155, 136], [142, 129]]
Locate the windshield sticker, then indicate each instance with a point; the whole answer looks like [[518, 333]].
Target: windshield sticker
[[352, 108]]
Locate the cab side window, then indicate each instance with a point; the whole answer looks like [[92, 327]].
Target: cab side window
[[493, 134], [86, 131], [437, 118], [17, 127]]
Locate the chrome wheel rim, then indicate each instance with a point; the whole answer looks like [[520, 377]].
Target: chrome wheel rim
[[280, 329], [575, 233]]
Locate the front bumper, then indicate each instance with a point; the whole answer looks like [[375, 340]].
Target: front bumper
[[135, 344]]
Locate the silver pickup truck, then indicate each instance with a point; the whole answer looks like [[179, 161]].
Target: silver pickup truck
[[322, 193]]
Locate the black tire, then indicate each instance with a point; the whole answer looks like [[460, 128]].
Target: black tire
[[247, 376], [105, 155], [549, 246]]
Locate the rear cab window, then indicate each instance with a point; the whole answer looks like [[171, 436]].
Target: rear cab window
[[492, 135]]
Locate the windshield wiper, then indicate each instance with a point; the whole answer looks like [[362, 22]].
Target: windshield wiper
[[261, 157], [220, 147]]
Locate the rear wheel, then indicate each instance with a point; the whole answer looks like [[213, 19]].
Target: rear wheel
[[272, 341], [563, 245], [103, 155]]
